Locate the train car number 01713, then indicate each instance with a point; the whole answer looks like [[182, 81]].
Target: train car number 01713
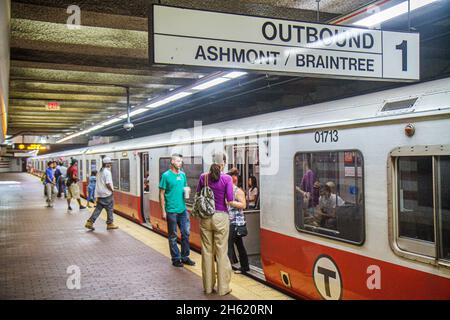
[[326, 136]]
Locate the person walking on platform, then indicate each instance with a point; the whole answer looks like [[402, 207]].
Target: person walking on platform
[[104, 190], [50, 183], [72, 185], [173, 190], [214, 230], [61, 182], [91, 188]]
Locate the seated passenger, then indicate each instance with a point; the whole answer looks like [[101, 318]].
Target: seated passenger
[[340, 202], [328, 201]]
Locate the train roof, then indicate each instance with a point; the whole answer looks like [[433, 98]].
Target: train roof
[[432, 97]]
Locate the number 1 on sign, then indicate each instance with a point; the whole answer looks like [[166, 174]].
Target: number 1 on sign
[[404, 47]]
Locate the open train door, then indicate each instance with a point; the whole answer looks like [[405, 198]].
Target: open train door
[[245, 157], [145, 187]]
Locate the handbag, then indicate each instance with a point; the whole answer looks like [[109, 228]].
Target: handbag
[[241, 231]]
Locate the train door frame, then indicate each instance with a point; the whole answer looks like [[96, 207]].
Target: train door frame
[[239, 151], [144, 157]]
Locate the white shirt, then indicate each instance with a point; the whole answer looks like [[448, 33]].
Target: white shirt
[[104, 177], [252, 193], [63, 171], [331, 202]]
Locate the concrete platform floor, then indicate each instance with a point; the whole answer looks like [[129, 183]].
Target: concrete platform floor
[[42, 249]]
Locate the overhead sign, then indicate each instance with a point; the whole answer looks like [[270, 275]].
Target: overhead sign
[[53, 106], [31, 146], [212, 39]]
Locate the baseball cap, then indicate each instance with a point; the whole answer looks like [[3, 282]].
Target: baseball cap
[[107, 160]]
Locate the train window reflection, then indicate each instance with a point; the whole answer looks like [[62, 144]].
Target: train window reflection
[[125, 174], [415, 205], [115, 173], [329, 195]]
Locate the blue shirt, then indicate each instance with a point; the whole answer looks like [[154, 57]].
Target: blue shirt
[[50, 175], [92, 181]]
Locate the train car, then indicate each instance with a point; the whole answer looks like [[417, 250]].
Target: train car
[[377, 225]]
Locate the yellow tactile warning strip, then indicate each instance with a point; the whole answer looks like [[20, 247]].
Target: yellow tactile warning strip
[[244, 288]]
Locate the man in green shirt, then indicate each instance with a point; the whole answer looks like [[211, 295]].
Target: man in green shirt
[[172, 188]]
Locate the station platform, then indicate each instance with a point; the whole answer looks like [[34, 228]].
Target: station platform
[[42, 249]]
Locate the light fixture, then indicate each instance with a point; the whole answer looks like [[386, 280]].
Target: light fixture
[[234, 74], [137, 111], [392, 12], [171, 98], [211, 83], [177, 96]]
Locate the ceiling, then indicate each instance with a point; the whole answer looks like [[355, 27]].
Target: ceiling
[[87, 70]]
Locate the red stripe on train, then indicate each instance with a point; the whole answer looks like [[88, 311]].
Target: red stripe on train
[[297, 258]]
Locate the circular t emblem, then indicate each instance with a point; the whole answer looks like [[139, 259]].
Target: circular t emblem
[[327, 278]]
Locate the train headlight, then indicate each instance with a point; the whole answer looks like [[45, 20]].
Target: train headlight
[[410, 130]]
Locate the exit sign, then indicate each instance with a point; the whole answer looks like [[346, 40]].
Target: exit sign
[[52, 106]]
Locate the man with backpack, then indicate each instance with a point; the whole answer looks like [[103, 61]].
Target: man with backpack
[[172, 188]]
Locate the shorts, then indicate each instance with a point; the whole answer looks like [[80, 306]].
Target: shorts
[[74, 191]]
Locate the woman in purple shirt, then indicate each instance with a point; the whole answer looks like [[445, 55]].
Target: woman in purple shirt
[[214, 231]]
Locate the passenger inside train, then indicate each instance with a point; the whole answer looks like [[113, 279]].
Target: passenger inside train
[[333, 208]]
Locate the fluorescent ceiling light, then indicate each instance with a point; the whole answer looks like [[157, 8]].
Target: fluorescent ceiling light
[[177, 96], [211, 83], [392, 12], [169, 99], [234, 74], [137, 111], [156, 104], [96, 127]]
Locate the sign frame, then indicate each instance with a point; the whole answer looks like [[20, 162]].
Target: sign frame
[[412, 78]]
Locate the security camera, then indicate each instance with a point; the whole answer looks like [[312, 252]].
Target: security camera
[[128, 126]]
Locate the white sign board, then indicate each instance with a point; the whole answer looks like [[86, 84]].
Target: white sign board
[[212, 39]]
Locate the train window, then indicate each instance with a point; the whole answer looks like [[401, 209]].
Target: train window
[[125, 174], [246, 159], [415, 205], [329, 195], [397, 105], [444, 206], [93, 165], [192, 167], [423, 206], [115, 173]]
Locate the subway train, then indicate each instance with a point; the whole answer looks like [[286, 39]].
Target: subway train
[[375, 226]]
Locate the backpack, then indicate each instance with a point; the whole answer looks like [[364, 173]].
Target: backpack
[[204, 205]]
